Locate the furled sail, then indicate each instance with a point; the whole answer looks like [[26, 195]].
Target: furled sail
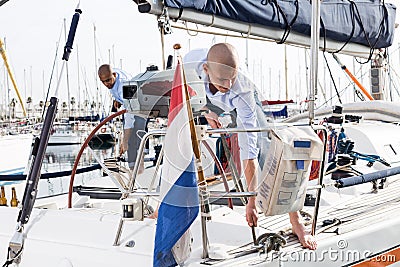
[[351, 27]]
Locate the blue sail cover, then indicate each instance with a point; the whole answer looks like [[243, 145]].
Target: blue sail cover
[[367, 22]]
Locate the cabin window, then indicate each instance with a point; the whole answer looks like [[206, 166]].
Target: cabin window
[[393, 152]]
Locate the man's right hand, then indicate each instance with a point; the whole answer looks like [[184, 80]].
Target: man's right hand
[[251, 214], [116, 104]]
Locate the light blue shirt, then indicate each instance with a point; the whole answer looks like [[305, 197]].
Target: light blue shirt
[[116, 92], [239, 97]]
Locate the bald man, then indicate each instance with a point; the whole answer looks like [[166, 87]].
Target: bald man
[[134, 126], [228, 89]]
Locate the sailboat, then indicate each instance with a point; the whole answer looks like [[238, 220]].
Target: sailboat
[[15, 148], [18, 149], [353, 226]]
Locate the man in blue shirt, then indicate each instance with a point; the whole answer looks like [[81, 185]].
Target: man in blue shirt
[[134, 126], [228, 89]]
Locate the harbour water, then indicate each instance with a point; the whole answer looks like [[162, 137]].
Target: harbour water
[[59, 159], [62, 158]]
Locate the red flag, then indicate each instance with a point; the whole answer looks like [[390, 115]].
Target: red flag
[[177, 93]]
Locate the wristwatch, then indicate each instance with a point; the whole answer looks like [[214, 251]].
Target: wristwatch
[[205, 112]]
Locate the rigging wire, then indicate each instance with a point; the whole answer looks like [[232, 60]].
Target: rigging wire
[[390, 80], [52, 73], [340, 92], [390, 77], [333, 80]]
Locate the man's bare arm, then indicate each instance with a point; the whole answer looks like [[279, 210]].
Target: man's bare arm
[[250, 172]]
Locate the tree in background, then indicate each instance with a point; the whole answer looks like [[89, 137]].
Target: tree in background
[[73, 102], [28, 102], [12, 107]]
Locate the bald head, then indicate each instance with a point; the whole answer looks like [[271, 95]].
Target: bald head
[[223, 53], [221, 67]]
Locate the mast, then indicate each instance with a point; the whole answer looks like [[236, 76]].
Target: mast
[[270, 83], [162, 33], [315, 24], [79, 84], [306, 69], [43, 85], [30, 81], [96, 68], [286, 75], [31, 90], [6, 93], [113, 55], [10, 74], [279, 84], [25, 91]]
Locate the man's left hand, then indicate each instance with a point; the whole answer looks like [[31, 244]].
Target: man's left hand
[[116, 104], [212, 119], [123, 147]]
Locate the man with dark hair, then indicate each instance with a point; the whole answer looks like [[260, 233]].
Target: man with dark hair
[[134, 126]]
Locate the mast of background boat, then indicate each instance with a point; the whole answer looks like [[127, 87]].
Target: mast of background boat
[[79, 84], [96, 68], [306, 57], [286, 74], [10, 74], [17, 241], [8, 91]]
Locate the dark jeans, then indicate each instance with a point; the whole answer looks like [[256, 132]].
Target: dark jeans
[[135, 139]]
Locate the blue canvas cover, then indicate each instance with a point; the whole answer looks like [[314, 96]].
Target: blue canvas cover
[[366, 22]]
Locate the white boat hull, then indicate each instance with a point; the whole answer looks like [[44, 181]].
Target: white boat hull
[[368, 227], [14, 153]]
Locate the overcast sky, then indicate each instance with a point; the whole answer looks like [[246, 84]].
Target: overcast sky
[[32, 30]]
